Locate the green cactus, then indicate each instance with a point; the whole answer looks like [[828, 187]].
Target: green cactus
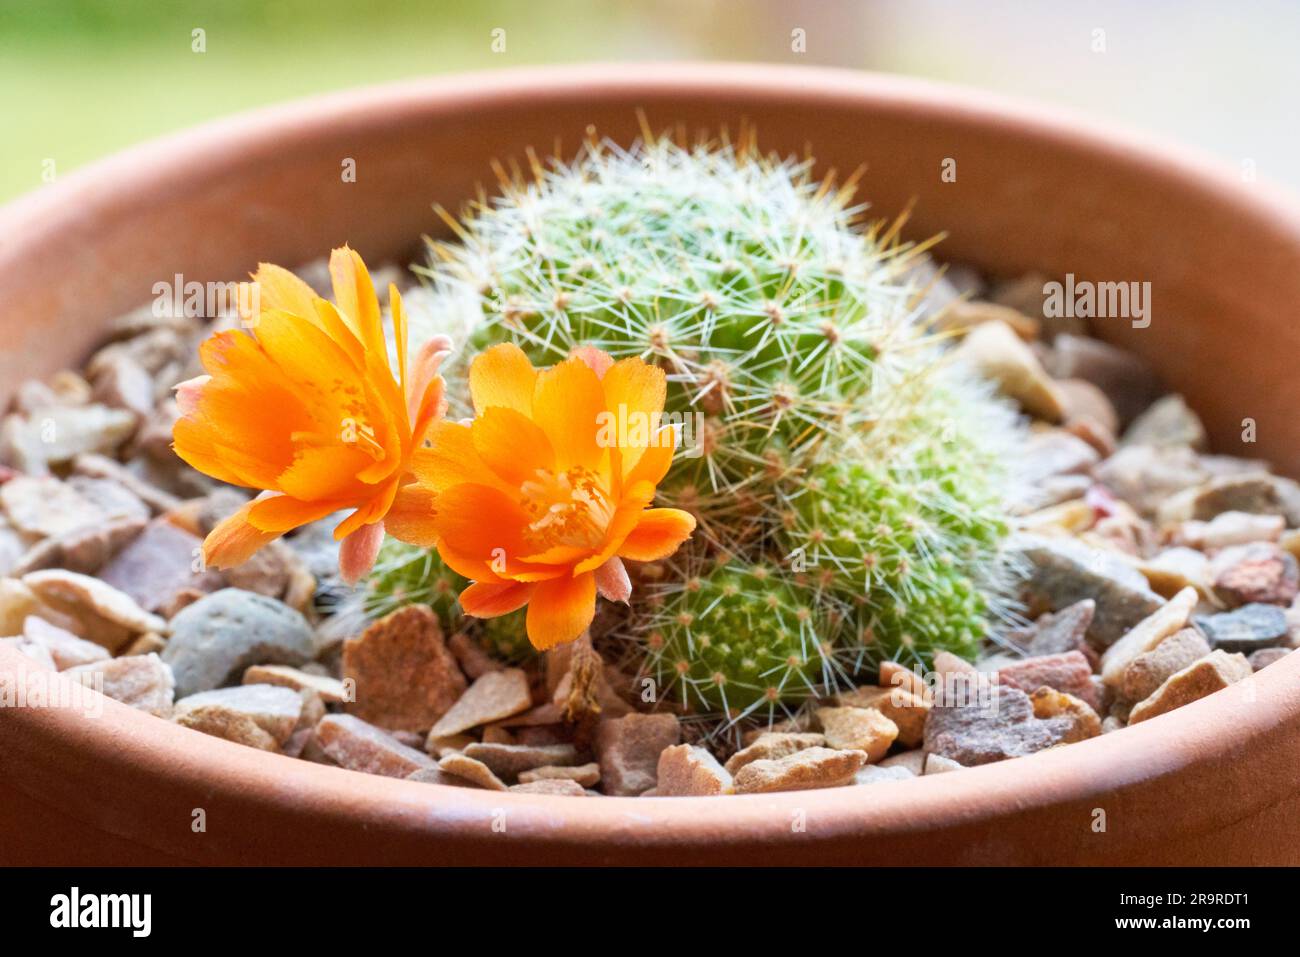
[[736, 641], [847, 477], [506, 638], [406, 575]]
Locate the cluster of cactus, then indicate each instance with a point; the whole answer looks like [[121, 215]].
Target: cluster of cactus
[[847, 477]]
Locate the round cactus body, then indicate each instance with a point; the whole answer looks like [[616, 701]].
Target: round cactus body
[[736, 641]]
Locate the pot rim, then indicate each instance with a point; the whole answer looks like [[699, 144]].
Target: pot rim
[[1205, 730]]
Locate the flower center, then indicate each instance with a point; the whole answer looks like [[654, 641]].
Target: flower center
[[571, 508]]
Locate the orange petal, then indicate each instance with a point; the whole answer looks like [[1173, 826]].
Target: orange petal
[[234, 540], [410, 519], [322, 472], [452, 460], [281, 513], [502, 375], [357, 552], [658, 534], [484, 523], [370, 510], [511, 444], [490, 600], [277, 288], [634, 393], [560, 610], [654, 462], [355, 295], [569, 405]]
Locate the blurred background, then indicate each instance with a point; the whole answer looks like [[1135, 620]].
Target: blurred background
[[82, 78]]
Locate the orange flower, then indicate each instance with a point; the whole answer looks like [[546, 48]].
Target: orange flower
[[543, 495], [305, 407]]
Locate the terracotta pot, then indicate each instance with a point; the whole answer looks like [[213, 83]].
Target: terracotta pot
[[1214, 782]]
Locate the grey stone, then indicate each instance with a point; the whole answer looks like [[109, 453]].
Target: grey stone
[[217, 637], [1168, 422], [1055, 633], [1249, 628], [1064, 571], [1000, 725], [1146, 476], [1125, 378]]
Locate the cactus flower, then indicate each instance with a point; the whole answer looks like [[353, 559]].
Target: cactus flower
[[306, 407], [543, 495]]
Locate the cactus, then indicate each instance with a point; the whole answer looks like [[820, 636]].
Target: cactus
[[847, 476], [406, 575]]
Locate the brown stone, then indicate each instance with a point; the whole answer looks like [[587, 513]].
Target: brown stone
[[858, 729], [149, 643], [1050, 703], [1070, 673], [84, 549], [159, 563], [686, 770], [436, 775], [331, 690], [474, 661], [492, 697], [260, 716], [141, 681], [66, 649], [906, 709], [1169, 618], [772, 745], [804, 770], [587, 775], [353, 744], [405, 678], [108, 616], [1212, 673], [1261, 572], [895, 675], [998, 353], [508, 760], [551, 786], [628, 749], [471, 770], [1149, 670]]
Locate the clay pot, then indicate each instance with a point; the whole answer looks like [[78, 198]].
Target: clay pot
[[1211, 783]]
